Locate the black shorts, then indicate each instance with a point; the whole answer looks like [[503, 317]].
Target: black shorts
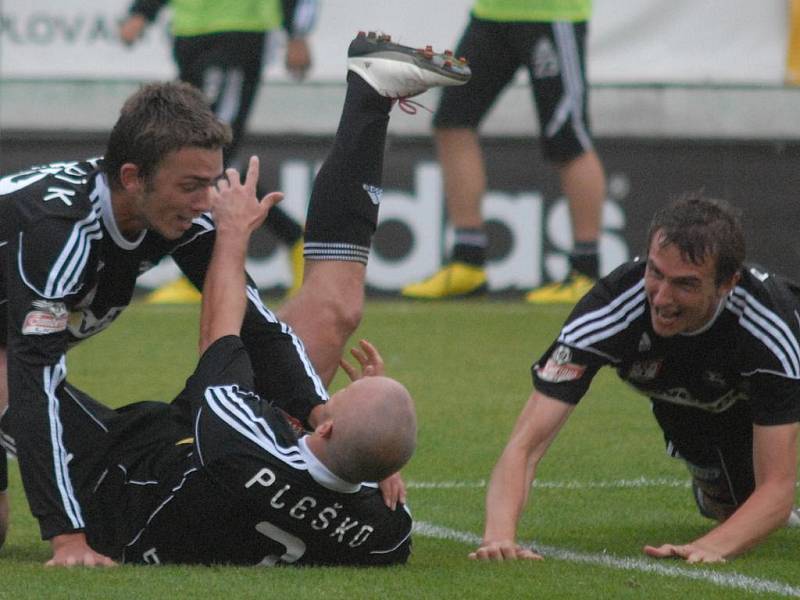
[[720, 442], [227, 68], [553, 53]]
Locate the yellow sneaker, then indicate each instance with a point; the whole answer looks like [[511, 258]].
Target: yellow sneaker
[[180, 291], [569, 291], [297, 263], [455, 280]]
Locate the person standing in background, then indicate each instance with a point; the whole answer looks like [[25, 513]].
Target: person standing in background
[[548, 37], [219, 47]]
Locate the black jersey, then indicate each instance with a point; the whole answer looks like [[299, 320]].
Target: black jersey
[[66, 272], [749, 352], [243, 489]]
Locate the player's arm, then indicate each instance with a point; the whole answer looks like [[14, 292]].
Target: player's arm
[[536, 427], [140, 14], [237, 213], [46, 277], [767, 508], [298, 20]]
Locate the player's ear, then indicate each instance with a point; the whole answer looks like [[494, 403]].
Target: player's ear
[[130, 177], [727, 286], [325, 429]]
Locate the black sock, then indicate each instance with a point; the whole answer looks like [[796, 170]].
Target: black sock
[[585, 260], [470, 246], [343, 210]]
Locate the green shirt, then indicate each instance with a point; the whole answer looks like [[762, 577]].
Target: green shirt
[[198, 17], [533, 10]]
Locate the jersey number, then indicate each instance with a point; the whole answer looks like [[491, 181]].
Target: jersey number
[[295, 547]]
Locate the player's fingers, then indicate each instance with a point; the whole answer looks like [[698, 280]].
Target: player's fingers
[[352, 372], [359, 355], [223, 184], [232, 176], [371, 351], [481, 553], [266, 205], [251, 178], [528, 554], [509, 552], [375, 357], [663, 551], [272, 199]]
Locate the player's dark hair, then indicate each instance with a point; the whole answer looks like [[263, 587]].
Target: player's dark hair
[[158, 119], [702, 227]]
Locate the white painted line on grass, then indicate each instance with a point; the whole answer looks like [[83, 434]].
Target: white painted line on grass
[[639, 482], [728, 580]]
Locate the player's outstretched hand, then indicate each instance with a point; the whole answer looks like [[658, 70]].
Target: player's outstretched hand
[[504, 550], [691, 553], [368, 358], [71, 550], [393, 489], [236, 207]]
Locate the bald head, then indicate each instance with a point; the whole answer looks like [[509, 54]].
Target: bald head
[[374, 430]]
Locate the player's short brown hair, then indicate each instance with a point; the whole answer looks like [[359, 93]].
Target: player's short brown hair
[[158, 119], [702, 228]]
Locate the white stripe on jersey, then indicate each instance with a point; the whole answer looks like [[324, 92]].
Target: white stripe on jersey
[[73, 257], [64, 276], [255, 298], [86, 410], [53, 376], [767, 327], [396, 546], [226, 403], [203, 221], [166, 501], [606, 321], [8, 442]]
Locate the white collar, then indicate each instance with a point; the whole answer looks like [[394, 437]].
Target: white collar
[[322, 474], [103, 194], [711, 321]]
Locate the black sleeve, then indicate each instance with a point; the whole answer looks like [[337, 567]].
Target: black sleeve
[[564, 372], [774, 400], [147, 8], [46, 267], [3, 470], [299, 16], [283, 372]]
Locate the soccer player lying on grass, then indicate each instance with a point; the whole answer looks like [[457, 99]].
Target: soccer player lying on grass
[[714, 345], [222, 476], [86, 256]]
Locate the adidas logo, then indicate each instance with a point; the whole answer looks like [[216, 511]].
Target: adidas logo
[[375, 193], [545, 60]]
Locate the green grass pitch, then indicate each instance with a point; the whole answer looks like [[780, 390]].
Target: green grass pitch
[[605, 489]]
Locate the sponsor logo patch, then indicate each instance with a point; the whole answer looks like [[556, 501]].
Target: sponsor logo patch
[[644, 370], [556, 372], [45, 318]]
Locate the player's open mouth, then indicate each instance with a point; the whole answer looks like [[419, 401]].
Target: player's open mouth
[[666, 317]]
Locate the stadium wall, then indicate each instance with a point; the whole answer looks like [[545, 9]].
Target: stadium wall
[[685, 95]]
